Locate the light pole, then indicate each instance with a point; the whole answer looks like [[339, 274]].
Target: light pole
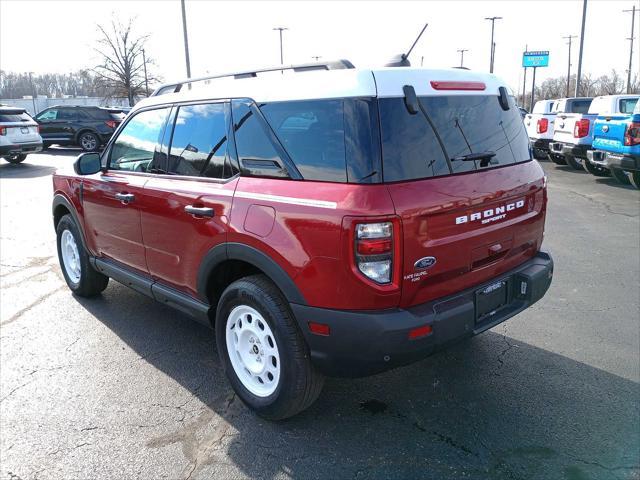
[[579, 74], [569, 37], [33, 94], [493, 46], [633, 20], [280, 30], [524, 81], [461, 52], [146, 79], [186, 40]]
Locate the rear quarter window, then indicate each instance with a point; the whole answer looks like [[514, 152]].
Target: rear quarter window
[[627, 105]]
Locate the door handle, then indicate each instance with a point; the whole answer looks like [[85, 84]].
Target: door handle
[[125, 198], [199, 211]]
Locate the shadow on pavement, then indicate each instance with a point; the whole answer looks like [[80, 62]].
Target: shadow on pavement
[[490, 407]]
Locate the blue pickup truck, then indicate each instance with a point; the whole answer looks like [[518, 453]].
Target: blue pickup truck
[[616, 145]]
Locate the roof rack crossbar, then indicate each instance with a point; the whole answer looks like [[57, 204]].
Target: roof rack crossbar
[[303, 67]]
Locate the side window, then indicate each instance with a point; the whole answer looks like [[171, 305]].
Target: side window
[[312, 132], [68, 114], [254, 146], [199, 142], [48, 115], [135, 146], [627, 105]]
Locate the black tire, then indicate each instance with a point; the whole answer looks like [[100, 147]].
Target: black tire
[[540, 154], [46, 146], [574, 163], [596, 170], [557, 159], [16, 158], [621, 176], [635, 179], [299, 382], [89, 142], [91, 282]]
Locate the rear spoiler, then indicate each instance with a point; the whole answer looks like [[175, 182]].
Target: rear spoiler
[[11, 111]]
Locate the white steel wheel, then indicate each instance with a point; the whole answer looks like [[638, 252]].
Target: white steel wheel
[[253, 351], [70, 256]]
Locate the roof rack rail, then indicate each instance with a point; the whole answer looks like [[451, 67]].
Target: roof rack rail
[[303, 67]]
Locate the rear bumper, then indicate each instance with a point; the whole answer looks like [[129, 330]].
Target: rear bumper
[[14, 148], [614, 160], [570, 149], [366, 342], [540, 143]]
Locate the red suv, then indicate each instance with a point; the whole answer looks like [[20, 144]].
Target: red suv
[[325, 221]]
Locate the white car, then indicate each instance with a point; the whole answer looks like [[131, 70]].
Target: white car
[[19, 134], [539, 125]]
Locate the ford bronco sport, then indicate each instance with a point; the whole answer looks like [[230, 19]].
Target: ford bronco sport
[[325, 221]]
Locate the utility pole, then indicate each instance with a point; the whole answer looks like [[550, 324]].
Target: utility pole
[[280, 29], [633, 20], [569, 37], [493, 46], [33, 95], [584, 17], [533, 89], [186, 40], [146, 79], [524, 83], [461, 52]]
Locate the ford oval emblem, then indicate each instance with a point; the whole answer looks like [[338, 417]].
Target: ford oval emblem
[[561, 124], [425, 262], [605, 128]]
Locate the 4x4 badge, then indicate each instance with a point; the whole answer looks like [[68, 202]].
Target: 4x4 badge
[[425, 262]]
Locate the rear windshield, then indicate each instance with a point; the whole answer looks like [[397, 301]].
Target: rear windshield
[[580, 106], [14, 117], [445, 138]]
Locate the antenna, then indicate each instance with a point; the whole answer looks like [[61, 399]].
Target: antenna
[[402, 60]]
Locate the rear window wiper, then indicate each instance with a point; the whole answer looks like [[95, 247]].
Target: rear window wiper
[[484, 157]]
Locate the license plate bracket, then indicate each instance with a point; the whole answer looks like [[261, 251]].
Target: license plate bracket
[[490, 299]]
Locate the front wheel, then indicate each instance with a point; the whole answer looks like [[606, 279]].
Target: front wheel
[[262, 350], [595, 169], [575, 163], [635, 178], [89, 142], [16, 158], [80, 276], [621, 176]]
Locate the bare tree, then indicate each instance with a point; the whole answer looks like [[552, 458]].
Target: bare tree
[[121, 69]]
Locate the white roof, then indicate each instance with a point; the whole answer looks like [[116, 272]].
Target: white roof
[[325, 84]]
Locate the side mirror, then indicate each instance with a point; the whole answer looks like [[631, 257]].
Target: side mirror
[[87, 164]]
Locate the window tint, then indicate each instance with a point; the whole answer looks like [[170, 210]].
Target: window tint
[[135, 146], [627, 105], [67, 114], [14, 117], [312, 133], [48, 115], [252, 141], [580, 106], [199, 142], [466, 124]]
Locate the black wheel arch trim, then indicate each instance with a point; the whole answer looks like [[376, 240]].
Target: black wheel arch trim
[[253, 256], [59, 199]]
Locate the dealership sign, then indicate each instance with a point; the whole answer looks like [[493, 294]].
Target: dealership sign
[[535, 59]]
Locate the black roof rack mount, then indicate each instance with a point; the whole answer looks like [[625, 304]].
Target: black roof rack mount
[[303, 67]]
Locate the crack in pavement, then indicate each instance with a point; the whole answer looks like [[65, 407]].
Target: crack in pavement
[[34, 304], [606, 206]]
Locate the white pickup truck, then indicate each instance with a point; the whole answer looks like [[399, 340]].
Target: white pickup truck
[[573, 128], [539, 125]]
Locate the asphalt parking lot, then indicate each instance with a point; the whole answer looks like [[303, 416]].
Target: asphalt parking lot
[[122, 387]]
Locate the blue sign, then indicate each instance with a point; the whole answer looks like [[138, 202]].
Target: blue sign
[[535, 59]]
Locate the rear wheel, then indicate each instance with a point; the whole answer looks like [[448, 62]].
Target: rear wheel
[[16, 158], [89, 142], [262, 350], [80, 276], [573, 162], [635, 178], [539, 154], [595, 169], [557, 159], [621, 176]]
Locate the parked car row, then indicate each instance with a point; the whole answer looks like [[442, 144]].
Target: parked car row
[[600, 135], [87, 127]]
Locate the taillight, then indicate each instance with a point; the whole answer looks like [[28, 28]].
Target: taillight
[[374, 251], [37, 128], [543, 125], [632, 134], [581, 128], [111, 124], [3, 130]]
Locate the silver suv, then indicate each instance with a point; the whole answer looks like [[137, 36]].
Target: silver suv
[[19, 134]]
